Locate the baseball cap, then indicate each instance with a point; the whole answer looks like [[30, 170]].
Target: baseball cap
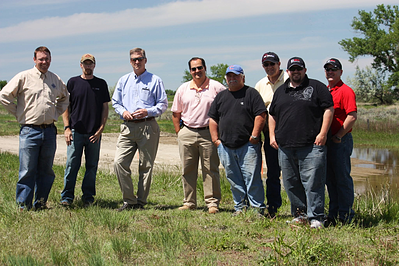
[[87, 57], [270, 57], [335, 62], [236, 69], [295, 61]]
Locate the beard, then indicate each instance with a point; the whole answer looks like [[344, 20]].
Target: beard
[[88, 72]]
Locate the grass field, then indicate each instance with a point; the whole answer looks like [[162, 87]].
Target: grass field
[[163, 235]]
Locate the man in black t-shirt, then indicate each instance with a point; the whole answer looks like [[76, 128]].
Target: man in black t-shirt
[[237, 116], [84, 121], [300, 117]]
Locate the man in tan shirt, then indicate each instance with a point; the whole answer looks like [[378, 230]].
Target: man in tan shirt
[[41, 97], [275, 77]]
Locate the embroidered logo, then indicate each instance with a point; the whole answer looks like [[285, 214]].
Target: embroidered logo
[[304, 95], [145, 89], [53, 86]]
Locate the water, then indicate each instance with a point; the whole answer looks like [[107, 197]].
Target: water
[[374, 170]]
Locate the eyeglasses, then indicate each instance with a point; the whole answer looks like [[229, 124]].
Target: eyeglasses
[[138, 58], [292, 69], [195, 68], [268, 64], [331, 69]]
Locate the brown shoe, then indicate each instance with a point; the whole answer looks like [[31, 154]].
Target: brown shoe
[[186, 207], [213, 210]]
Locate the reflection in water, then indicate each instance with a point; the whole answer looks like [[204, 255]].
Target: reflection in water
[[384, 159]]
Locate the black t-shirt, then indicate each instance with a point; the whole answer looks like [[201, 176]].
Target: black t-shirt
[[299, 112], [235, 113], [86, 103]]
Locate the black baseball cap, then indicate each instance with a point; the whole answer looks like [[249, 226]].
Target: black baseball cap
[[333, 61], [295, 61], [270, 57]]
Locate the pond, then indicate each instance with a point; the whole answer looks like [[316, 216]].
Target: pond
[[375, 170]]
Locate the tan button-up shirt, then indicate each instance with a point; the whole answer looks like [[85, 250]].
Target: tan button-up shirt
[[41, 98], [267, 89]]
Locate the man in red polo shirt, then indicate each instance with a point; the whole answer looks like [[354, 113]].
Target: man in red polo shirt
[[339, 181]]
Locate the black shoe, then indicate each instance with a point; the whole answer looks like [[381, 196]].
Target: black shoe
[[329, 222], [138, 206], [87, 204], [126, 206]]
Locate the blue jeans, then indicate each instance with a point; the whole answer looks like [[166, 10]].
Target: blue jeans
[[79, 143], [339, 181], [36, 156], [243, 171], [273, 186], [304, 176]]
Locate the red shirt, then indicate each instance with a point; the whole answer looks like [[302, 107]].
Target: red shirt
[[344, 102]]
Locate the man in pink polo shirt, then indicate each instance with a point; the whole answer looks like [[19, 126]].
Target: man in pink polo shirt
[[191, 105]]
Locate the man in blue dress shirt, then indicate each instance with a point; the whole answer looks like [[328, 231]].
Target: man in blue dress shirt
[[138, 98]]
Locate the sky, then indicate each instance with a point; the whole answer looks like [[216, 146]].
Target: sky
[[172, 32]]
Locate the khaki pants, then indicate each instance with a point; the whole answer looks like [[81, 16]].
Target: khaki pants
[[195, 144], [143, 136]]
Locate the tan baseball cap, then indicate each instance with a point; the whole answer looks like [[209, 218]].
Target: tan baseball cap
[[87, 57]]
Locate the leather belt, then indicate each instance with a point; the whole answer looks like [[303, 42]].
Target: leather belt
[[197, 128], [42, 126], [139, 120]]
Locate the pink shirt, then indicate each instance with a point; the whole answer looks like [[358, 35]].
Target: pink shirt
[[194, 104]]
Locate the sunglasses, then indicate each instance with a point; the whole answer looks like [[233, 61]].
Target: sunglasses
[[138, 58], [331, 69], [292, 69], [268, 64], [195, 68]]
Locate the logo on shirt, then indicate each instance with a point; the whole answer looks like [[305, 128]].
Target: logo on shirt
[[304, 95], [53, 86], [145, 89], [96, 89]]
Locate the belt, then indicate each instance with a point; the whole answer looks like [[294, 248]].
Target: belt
[[197, 128], [39, 126], [139, 120]]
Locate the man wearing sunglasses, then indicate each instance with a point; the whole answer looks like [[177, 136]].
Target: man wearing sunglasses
[[191, 105], [275, 77], [139, 97], [300, 117], [339, 181]]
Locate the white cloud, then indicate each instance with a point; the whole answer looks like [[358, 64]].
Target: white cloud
[[173, 13]]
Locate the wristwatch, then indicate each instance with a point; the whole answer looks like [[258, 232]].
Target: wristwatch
[[254, 137], [67, 127], [338, 138]]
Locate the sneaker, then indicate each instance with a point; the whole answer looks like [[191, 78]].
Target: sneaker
[[298, 220], [138, 206], [213, 210], [65, 203], [186, 207], [125, 207], [315, 224], [237, 213]]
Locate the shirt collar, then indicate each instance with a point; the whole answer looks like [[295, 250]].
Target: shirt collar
[[204, 85], [142, 75], [337, 86]]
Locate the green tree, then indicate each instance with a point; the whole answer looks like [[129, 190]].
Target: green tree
[[2, 83], [380, 30], [217, 73], [370, 85]]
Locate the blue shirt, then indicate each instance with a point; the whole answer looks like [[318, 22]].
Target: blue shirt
[[134, 92]]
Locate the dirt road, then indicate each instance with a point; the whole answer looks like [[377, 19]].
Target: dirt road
[[168, 153]]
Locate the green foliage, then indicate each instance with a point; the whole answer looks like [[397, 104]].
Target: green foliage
[[370, 86], [2, 83], [218, 72], [380, 30]]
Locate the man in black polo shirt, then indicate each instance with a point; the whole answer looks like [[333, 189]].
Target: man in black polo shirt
[[300, 117], [84, 121]]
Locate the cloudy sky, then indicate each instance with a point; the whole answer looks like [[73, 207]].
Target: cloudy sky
[[171, 32]]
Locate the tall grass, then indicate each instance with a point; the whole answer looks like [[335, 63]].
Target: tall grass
[[163, 235]]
